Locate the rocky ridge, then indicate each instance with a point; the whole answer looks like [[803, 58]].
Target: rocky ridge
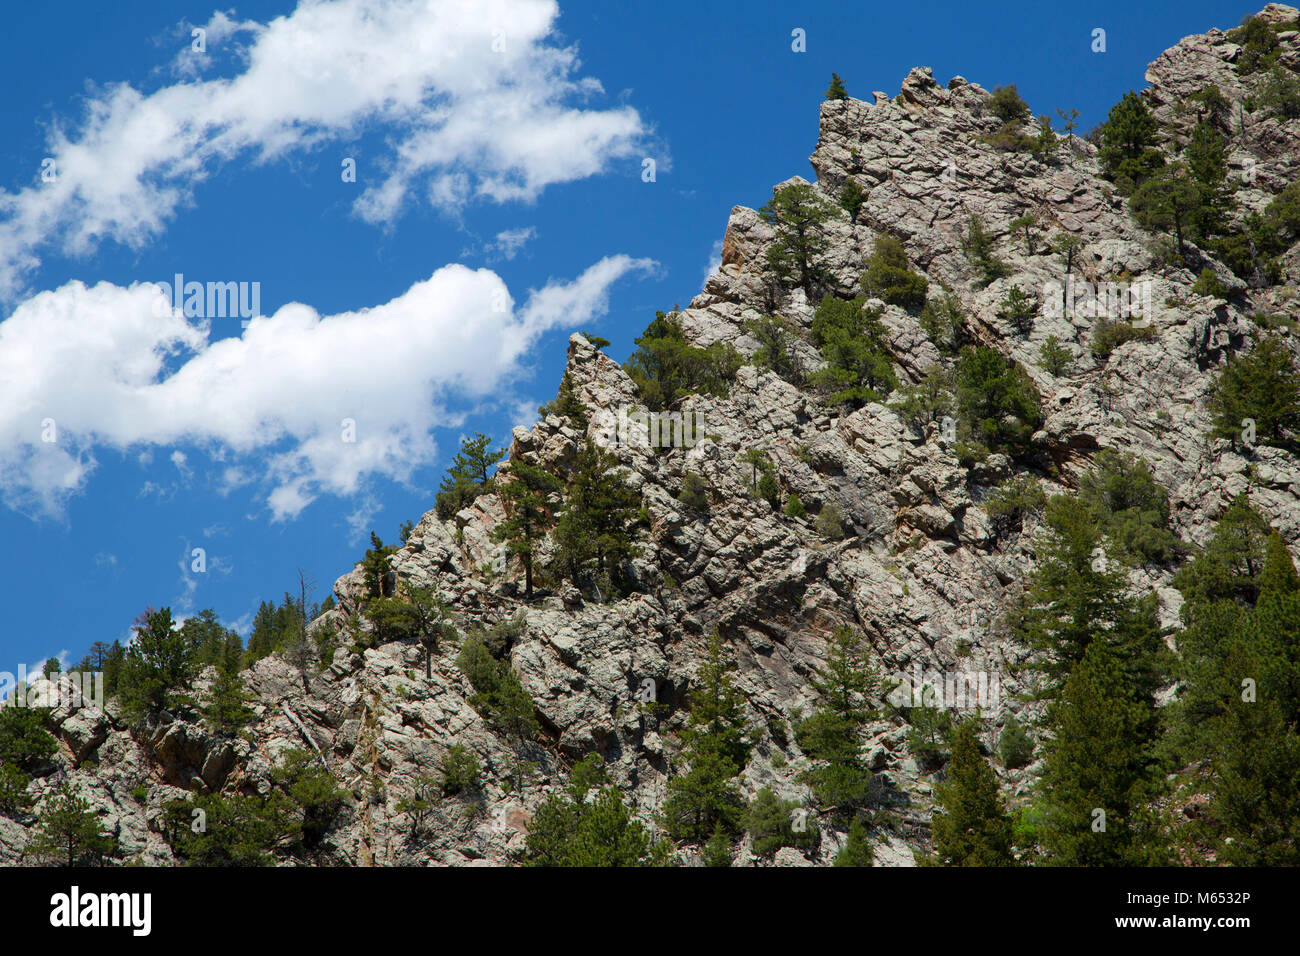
[[922, 574]]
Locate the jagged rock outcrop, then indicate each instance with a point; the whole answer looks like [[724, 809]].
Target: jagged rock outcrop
[[921, 571]]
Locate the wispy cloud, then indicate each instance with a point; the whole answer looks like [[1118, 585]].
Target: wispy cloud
[[481, 99]]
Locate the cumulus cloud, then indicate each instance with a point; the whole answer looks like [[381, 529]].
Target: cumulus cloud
[[480, 99], [323, 401]]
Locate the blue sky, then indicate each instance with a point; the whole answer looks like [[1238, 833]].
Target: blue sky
[[506, 136]]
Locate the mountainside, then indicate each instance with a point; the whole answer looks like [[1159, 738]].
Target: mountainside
[[928, 563]]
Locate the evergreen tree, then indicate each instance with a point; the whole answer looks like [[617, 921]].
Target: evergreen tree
[[594, 525], [705, 796], [568, 405], [1076, 598], [1262, 386], [1128, 143], [158, 664], [973, 828], [1100, 773], [590, 826], [68, 833], [237, 830], [836, 90], [1015, 746], [832, 736], [1028, 223], [852, 340], [470, 473], [852, 198], [1229, 567], [717, 852], [997, 403], [374, 566], [1130, 508], [797, 214], [887, 276], [24, 741], [315, 796], [1168, 201], [498, 694], [856, 850], [771, 824], [524, 491], [666, 367], [1206, 158], [1007, 105]]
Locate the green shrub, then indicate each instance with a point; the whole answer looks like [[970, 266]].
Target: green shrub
[[460, 770], [1017, 309], [830, 522], [695, 492], [794, 507], [1111, 334], [1007, 105], [888, 278], [771, 824], [852, 197], [1056, 358], [1207, 283], [1015, 746], [666, 367]]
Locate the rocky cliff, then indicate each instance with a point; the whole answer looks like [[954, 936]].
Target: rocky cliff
[[924, 572]]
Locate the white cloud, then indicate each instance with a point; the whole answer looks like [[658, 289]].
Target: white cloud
[[323, 401], [508, 243], [715, 259], [469, 121]]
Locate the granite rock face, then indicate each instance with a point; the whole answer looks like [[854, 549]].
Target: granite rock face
[[920, 571]]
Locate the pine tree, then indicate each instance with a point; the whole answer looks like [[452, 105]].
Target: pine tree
[[1263, 386], [974, 828], [832, 736], [585, 829], [856, 850], [568, 405], [1128, 143], [469, 475], [69, 833], [1168, 201], [852, 340], [1206, 158], [524, 491], [594, 525], [158, 664], [836, 90], [717, 852], [1100, 772], [797, 214], [705, 796]]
